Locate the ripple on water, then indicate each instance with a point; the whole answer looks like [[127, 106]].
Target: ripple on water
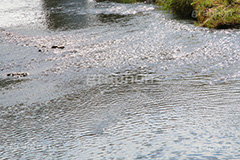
[[141, 86]]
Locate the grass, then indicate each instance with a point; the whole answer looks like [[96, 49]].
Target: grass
[[208, 13], [218, 13]]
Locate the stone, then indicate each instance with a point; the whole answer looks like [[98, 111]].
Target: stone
[[18, 74], [59, 47]]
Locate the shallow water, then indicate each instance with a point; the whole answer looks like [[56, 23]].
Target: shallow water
[[132, 82]]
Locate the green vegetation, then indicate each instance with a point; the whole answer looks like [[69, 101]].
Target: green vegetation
[[208, 13], [218, 13]]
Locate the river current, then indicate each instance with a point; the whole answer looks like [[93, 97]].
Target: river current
[[115, 81]]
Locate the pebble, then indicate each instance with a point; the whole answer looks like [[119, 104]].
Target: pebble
[[59, 47], [18, 74]]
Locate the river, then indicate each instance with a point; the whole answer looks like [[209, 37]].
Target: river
[[124, 81]]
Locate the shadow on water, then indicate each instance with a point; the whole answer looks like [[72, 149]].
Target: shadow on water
[[8, 82], [59, 15], [76, 14], [111, 18]]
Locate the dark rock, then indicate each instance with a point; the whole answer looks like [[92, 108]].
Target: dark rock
[[54, 47], [59, 47], [19, 74]]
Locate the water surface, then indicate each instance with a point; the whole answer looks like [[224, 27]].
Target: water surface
[[132, 82]]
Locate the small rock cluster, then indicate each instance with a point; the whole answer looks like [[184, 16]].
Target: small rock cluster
[[19, 74]]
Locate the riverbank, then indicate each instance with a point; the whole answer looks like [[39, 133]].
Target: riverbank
[[208, 13]]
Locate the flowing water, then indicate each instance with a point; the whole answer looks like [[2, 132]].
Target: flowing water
[[132, 82]]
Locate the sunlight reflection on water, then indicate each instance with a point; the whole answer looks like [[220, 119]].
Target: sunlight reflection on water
[[130, 83]]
